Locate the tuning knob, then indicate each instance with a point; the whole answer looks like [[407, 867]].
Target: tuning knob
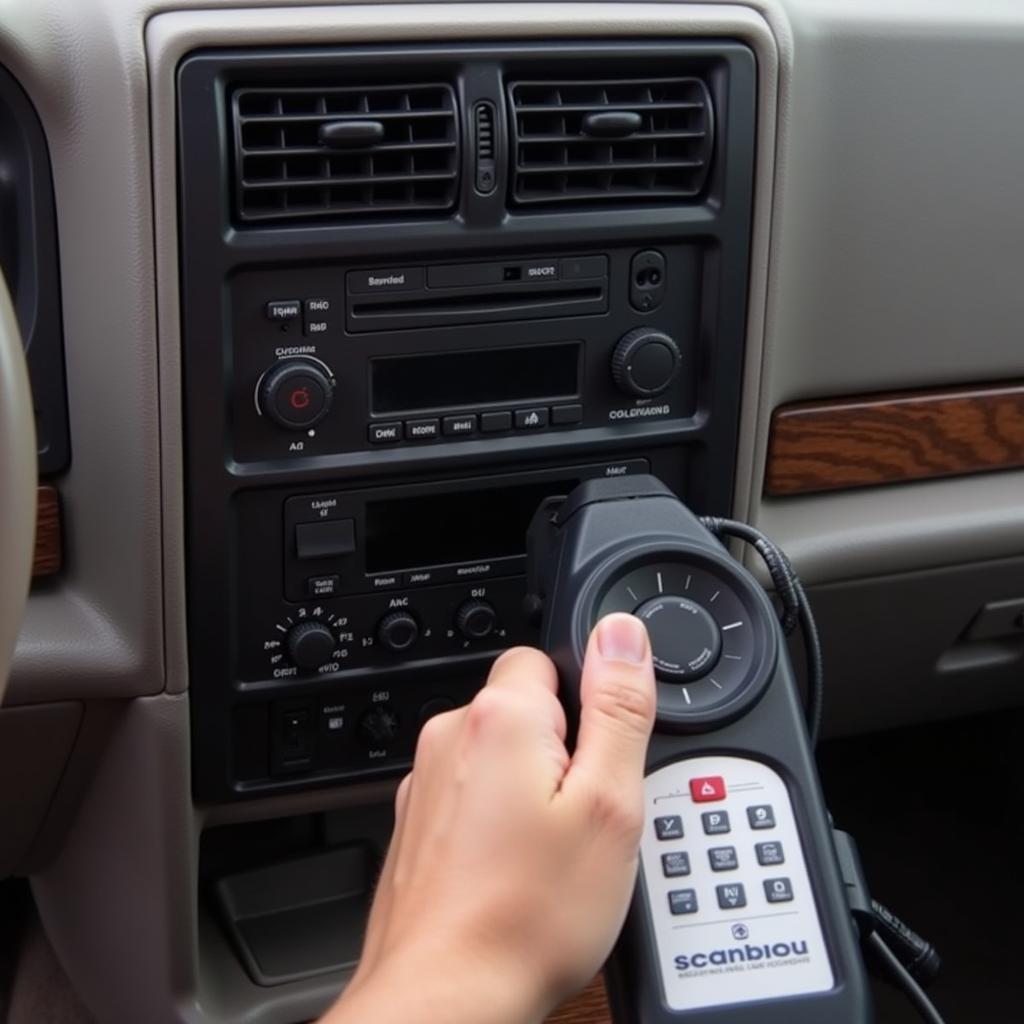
[[296, 394], [310, 644], [398, 631], [645, 363], [476, 619]]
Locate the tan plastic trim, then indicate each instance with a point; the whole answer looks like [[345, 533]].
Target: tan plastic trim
[[17, 483]]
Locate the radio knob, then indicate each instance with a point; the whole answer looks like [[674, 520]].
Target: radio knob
[[310, 644], [398, 631], [296, 394], [645, 363], [476, 619]]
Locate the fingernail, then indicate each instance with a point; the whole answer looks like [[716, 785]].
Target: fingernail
[[622, 638]]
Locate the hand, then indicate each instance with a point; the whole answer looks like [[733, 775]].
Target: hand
[[512, 863]]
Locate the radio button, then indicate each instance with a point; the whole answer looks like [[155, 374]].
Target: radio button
[[282, 310], [295, 394], [531, 419], [369, 282], [566, 415], [322, 586], [457, 426], [495, 422], [422, 430], [385, 433]]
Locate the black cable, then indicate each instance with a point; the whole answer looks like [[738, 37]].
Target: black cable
[[796, 608], [902, 978]]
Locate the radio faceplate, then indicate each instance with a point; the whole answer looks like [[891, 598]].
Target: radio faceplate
[[323, 364], [413, 378]]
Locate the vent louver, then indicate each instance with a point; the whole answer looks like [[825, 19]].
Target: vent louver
[[612, 139], [344, 152]]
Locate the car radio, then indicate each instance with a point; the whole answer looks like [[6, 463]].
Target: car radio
[[338, 360], [402, 329]]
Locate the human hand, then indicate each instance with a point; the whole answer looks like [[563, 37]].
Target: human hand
[[512, 864]]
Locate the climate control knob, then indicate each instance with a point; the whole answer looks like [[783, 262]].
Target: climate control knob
[[398, 631], [476, 619], [645, 363], [310, 644], [296, 394]]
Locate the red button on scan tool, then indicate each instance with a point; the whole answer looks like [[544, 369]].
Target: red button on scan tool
[[708, 788]]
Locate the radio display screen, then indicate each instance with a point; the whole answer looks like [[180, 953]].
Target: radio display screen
[[448, 380], [441, 529]]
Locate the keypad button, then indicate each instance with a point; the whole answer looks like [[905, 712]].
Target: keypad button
[[716, 823], [769, 853], [723, 858], [675, 864], [385, 433], [531, 419], [422, 430], [761, 816], [706, 789], [282, 310], [669, 827], [778, 890], [494, 422], [322, 586], [683, 901], [566, 415], [459, 426], [731, 897]]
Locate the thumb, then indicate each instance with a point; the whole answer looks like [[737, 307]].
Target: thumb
[[617, 702]]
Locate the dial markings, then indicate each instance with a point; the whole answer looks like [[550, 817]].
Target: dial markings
[[687, 587], [631, 594], [732, 625], [714, 682], [686, 694], [661, 586], [714, 597], [733, 657], [281, 628]]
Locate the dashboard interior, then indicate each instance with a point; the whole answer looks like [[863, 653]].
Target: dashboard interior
[[321, 302]]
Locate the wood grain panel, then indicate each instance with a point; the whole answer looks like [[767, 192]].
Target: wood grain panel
[[589, 1007], [49, 553], [880, 439]]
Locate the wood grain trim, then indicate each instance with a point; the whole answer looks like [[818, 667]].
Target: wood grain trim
[[881, 439], [49, 553], [589, 1007]]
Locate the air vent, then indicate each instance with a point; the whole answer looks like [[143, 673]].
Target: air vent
[[610, 139], [345, 152]]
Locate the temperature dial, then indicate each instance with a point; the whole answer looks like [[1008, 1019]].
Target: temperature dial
[[296, 393], [476, 619], [398, 631], [310, 644]]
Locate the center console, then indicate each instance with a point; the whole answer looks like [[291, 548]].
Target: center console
[[424, 289]]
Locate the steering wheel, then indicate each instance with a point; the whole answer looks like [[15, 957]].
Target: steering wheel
[[17, 482]]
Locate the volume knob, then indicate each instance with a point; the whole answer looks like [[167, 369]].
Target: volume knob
[[310, 644], [296, 394], [645, 363], [398, 631], [476, 619]]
